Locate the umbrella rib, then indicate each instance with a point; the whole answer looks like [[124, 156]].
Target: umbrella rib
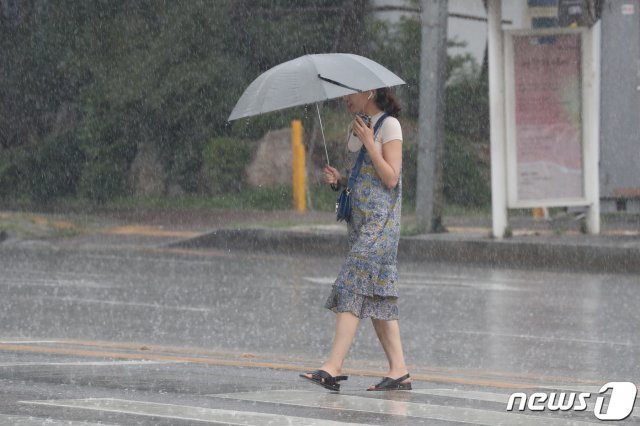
[[337, 83]]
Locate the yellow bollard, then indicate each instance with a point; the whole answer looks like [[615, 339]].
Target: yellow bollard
[[299, 195], [540, 213]]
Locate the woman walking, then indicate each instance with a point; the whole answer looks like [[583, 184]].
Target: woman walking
[[366, 284]]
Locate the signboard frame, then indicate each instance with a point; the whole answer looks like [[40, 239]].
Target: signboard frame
[[514, 199]]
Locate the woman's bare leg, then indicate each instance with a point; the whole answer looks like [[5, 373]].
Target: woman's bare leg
[[346, 326], [389, 335]]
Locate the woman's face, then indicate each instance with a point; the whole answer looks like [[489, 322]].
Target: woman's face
[[357, 101]]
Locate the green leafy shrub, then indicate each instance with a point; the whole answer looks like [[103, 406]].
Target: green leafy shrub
[[224, 160], [55, 169], [41, 172], [467, 107], [13, 166], [463, 181], [104, 175], [185, 168], [409, 171]]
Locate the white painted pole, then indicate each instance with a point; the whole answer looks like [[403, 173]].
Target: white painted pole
[[591, 127], [497, 117]]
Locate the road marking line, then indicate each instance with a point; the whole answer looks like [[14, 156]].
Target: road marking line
[[462, 394], [152, 348], [44, 282], [578, 388], [6, 419], [571, 388], [473, 377], [465, 278], [476, 373], [149, 231], [504, 398], [320, 280], [185, 412], [83, 364], [123, 303], [25, 342], [248, 363], [433, 282], [545, 338], [399, 408]]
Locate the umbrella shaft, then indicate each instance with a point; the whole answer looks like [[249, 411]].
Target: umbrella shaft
[[322, 131]]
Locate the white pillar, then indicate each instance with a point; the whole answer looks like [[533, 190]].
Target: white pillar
[[591, 114], [496, 110]]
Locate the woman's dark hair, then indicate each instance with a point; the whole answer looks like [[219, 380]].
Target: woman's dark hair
[[387, 101]]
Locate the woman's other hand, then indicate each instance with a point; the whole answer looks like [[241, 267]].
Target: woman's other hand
[[363, 132], [331, 175]]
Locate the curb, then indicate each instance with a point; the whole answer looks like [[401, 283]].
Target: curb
[[269, 240], [524, 254], [563, 255]]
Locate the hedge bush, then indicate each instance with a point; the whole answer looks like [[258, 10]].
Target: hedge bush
[[55, 169], [224, 160], [464, 183], [463, 180]]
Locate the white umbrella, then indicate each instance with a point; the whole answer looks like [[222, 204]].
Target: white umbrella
[[312, 79]]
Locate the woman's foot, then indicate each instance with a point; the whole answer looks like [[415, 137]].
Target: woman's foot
[[393, 381], [325, 379], [328, 368]]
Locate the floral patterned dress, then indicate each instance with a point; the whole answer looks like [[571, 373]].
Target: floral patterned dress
[[366, 283]]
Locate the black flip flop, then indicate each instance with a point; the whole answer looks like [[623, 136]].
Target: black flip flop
[[326, 380], [388, 384]]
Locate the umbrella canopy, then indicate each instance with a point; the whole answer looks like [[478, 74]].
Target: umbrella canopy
[[311, 79]]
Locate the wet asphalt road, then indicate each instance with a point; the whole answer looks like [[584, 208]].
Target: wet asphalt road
[[166, 336]]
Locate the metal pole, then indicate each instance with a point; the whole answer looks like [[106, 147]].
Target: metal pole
[[496, 111], [433, 59]]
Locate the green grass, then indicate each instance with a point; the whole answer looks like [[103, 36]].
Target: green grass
[[321, 198], [267, 199]]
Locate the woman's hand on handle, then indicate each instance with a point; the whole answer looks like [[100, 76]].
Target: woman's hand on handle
[[331, 175]]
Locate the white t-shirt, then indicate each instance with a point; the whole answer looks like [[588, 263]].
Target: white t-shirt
[[389, 131]]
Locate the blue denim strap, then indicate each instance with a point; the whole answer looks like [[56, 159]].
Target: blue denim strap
[[356, 167]]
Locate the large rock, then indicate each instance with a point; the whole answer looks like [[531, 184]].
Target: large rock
[[271, 164], [147, 172]]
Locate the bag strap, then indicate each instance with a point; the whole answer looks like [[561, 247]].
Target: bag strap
[[356, 167]]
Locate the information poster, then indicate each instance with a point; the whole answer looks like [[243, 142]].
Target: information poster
[[548, 125]]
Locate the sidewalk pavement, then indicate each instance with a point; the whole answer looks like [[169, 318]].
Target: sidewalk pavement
[[551, 244]]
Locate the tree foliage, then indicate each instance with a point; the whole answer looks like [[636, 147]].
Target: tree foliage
[[85, 86], [466, 110], [114, 75]]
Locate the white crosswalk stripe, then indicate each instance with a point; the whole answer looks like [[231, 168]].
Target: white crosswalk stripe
[[394, 407], [474, 395], [37, 421], [463, 406], [187, 413]]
